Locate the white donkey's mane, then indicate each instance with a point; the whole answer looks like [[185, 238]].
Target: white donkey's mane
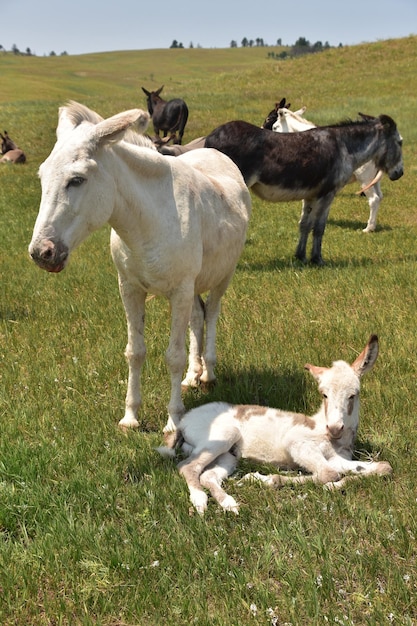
[[74, 114]]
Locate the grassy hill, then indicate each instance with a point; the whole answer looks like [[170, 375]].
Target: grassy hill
[[95, 527]]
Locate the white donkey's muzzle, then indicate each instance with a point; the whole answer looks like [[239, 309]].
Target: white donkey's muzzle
[[49, 255]]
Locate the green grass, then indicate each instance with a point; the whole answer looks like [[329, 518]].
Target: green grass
[[95, 527]]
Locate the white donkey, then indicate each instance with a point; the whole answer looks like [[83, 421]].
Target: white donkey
[[178, 228], [217, 434], [367, 175]]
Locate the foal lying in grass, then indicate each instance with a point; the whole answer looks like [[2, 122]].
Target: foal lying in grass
[[216, 435]]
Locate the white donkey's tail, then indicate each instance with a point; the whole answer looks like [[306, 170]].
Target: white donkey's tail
[[173, 440]]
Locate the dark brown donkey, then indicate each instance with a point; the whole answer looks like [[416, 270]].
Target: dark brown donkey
[[311, 166], [11, 153], [169, 116]]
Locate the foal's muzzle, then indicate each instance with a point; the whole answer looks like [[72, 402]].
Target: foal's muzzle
[[48, 255]]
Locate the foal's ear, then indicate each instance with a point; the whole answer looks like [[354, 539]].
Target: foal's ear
[[366, 360], [315, 370]]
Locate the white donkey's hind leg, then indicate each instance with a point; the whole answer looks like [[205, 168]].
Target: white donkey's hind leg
[[176, 355], [213, 477], [212, 312], [195, 366]]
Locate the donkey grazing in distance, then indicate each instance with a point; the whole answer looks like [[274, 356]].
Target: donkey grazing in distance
[[367, 175], [11, 153], [169, 116], [217, 435], [178, 229], [311, 166]]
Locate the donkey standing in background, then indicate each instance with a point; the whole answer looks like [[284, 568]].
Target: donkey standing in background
[[217, 435], [311, 166], [367, 175], [11, 153], [169, 116]]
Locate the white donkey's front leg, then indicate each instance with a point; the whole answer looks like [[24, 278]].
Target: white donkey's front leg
[[176, 355], [134, 303]]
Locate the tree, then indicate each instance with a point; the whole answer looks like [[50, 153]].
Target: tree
[[233, 44]]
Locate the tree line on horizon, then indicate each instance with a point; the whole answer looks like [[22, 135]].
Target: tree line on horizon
[[301, 46]]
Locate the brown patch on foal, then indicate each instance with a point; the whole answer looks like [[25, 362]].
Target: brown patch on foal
[[303, 420], [246, 411]]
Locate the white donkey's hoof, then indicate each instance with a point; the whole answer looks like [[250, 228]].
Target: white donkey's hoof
[[170, 426], [128, 423]]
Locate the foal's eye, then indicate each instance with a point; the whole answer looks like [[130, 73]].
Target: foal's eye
[[76, 181]]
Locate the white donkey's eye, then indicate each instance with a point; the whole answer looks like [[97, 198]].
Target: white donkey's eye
[[76, 181]]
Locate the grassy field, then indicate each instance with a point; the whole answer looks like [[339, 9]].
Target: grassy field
[[95, 527]]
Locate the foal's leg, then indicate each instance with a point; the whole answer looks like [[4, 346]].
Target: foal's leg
[[191, 470], [308, 456], [134, 304], [213, 477], [176, 355], [359, 468]]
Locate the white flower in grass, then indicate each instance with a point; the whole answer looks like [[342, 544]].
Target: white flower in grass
[[253, 609]]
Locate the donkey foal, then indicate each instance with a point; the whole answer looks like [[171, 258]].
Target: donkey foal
[[216, 435]]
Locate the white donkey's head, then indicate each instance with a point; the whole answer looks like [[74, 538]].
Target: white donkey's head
[[291, 121], [340, 385], [78, 193]]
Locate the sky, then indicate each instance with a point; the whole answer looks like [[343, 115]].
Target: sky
[[85, 26]]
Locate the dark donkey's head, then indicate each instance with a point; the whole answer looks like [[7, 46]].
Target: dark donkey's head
[[153, 99], [389, 158], [6, 143]]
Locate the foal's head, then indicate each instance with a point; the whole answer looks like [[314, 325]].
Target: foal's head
[[339, 386]]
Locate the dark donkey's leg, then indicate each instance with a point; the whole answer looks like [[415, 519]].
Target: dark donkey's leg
[[313, 217], [321, 215], [305, 226]]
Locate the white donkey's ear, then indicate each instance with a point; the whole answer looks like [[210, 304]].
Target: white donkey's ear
[[65, 122], [73, 114], [110, 128], [365, 361]]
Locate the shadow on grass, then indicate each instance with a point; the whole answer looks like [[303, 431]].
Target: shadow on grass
[[14, 315], [356, 225], [274, 265]]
